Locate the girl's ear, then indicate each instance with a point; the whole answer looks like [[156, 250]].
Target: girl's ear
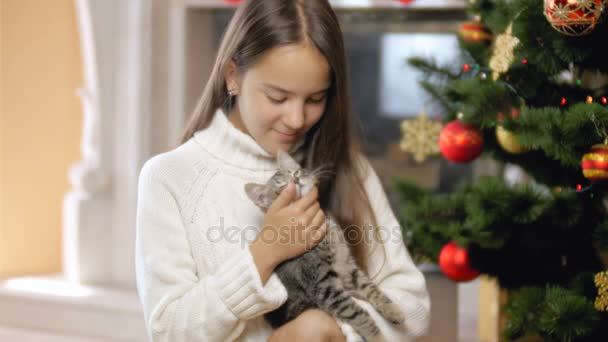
[[256, 192], [231, 77], [286, 162]]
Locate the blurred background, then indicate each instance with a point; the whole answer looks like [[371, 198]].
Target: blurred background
[[90, 89]]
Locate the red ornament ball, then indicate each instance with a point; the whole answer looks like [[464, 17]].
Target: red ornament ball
[[454, 263], [595, 163], [574, 18], [460, 142]]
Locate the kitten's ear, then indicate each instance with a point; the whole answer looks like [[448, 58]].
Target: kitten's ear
[[286, 162], [256, 192]]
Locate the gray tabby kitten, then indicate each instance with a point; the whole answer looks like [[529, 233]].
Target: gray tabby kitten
[[326, 277]]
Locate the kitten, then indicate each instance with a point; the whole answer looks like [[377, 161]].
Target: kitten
[[326, 277]]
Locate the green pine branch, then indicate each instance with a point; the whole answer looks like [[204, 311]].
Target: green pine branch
[[491, 214], [553, 312], [430, 68]]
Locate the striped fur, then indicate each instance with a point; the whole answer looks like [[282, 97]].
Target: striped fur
[[327, 276]]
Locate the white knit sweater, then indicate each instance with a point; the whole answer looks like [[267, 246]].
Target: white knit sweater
[[195, 274]]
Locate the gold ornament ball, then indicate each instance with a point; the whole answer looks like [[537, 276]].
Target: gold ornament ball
[[475, 32], [508, 141]]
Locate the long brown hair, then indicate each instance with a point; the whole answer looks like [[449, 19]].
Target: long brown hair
[[260, 25]]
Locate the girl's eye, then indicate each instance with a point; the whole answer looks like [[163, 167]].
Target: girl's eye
[[319, 100], [277, 101]]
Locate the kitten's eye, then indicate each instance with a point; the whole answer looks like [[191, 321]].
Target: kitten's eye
[[297, 173]]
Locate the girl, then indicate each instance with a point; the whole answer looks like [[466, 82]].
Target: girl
[[205, 254]]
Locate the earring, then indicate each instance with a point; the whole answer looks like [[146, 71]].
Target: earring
[[230, 97]]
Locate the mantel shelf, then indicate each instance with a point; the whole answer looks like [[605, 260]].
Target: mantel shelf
[[416, 5]]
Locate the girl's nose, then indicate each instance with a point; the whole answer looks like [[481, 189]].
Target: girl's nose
[[295, 118]]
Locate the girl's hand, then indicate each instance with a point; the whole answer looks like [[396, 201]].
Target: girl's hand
[[290, 229], [310, 325]]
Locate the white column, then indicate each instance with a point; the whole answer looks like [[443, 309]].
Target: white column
[[99, 210]]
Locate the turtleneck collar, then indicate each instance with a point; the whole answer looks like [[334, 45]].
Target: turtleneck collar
[[239, 149]]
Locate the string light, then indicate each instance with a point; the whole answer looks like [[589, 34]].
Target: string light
[[604, 101], [514, 112], [466, 67], [584, 190], [562, 102], [578, 82], [589, 99], [524, 61]]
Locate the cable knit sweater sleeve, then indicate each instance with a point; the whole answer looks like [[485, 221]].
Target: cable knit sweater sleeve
[[180, 303], [398, 277]]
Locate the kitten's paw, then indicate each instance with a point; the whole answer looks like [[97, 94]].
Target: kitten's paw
[[392, 313], [375, 338], [369, 333]]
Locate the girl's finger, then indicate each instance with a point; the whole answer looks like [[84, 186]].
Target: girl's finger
[[312, 211], [285, 197], [303, 203], [318, 235], [318, 219]]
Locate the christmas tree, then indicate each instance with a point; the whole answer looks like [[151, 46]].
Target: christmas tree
[[531, 90]]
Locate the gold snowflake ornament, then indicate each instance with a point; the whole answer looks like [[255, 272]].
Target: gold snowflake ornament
[[601, 282], [420, 137], [502, 54]]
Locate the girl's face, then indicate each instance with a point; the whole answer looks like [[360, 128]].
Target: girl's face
[[282, 96]]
